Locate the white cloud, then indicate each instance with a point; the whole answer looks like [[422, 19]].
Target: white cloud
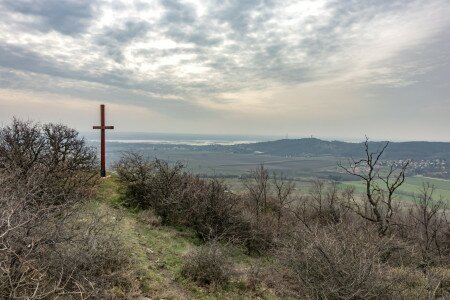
[[300, 59]]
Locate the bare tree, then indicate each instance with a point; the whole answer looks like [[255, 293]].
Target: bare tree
[[283, 196], [429, 224], [258, 188], [380, 186], [317, 194]]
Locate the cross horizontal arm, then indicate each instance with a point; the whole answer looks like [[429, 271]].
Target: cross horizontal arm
[[104, 127]]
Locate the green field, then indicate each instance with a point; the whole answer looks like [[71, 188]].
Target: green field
[[412, 186]]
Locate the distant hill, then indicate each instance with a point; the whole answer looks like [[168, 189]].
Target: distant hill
[[416, 151], [317, 147]]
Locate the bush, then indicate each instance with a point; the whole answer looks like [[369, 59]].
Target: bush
[[210, 209], [51, 154], [149, 217], [48, 247], [137, 174], [338, 262], [96, 257], [150, 184], [258, 237], [179, 198], [208, 266], [441, 278]]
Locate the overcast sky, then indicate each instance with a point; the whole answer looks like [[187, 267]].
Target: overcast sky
[[337, 68]]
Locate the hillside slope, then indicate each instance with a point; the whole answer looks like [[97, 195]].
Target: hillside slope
[[157, 252]]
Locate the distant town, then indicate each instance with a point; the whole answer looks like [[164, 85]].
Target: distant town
[[431, 167]]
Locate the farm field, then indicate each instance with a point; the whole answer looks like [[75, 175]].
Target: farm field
[[412, 186], [303, 170], [221, 164]]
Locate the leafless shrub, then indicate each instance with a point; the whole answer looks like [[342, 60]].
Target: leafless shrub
[[324, 203], [137, 173], [266, 206], [207, 206], [22, 241], [322, 206], [211, 210], [439, 282], [336, 262], [208, 266], [97, 258], [261, 278], [150, 218], [52, 151], [257, 185], [150, 184], [428, 219], [54, 250], [284, 190], [258, 237], [47, 249], [412, 283]]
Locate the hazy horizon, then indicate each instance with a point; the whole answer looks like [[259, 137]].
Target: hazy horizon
[[331, 69], [112, 136]]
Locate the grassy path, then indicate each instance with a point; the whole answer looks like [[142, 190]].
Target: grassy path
[[157, 253]]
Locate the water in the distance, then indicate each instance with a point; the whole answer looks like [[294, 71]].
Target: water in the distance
[[176, 139], [153, 144]]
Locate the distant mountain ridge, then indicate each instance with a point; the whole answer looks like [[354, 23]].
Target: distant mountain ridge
[[317, 147]]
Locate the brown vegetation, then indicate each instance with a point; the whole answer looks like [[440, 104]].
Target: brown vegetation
[[208, 266], [49, 245]]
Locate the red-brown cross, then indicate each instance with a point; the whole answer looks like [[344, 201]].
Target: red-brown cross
[[102, 128]]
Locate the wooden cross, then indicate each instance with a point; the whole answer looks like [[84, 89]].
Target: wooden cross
[[102, 128]]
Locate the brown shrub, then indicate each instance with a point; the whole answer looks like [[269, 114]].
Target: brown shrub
[[208, 266], [97, 258], [259, 237], [211, 210], [337, 262], [207, 206], [48, 248], [151, 183], [46, 251], [149, 217], [440, 276], [64, 166]]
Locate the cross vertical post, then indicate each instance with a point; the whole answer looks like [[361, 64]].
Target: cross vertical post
[[102, 128]]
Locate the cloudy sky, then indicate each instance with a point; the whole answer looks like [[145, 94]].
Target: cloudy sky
[[331, 68]]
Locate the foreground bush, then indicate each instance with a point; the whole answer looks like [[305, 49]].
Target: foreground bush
[[208, 266], [49, 246], [340, 262], [52, 155]]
